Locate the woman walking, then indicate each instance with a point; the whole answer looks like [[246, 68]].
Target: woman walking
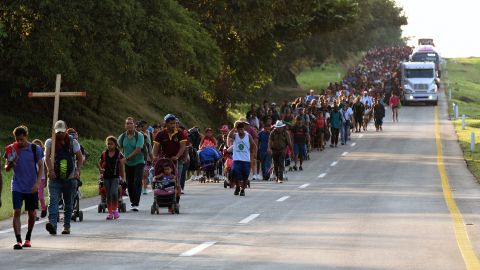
[[394, 104]]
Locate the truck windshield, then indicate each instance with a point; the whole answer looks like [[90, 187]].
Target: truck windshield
[[425, 57], [419, 73]]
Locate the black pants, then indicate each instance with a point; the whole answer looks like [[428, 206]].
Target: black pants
[[335, 132], [278, 163], [134, 176]]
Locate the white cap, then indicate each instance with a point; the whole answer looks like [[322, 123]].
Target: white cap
[[60, 126]]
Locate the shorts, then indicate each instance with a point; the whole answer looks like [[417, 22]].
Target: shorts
[[240, 170], [300, 150], [31, 200], [320, 131]]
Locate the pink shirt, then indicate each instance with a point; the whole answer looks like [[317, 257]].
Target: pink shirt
[[394, 100]]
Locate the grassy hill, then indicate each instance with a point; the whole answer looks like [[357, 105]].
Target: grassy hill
[[465, 86]]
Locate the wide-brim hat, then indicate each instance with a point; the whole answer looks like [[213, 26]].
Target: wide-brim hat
[[279, 124], [241, 121]]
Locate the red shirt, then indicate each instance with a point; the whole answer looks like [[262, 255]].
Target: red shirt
[[394, 100], [170, 143], [320, 122]]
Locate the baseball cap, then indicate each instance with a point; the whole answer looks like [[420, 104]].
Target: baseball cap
[[60, 126], [169, 117]]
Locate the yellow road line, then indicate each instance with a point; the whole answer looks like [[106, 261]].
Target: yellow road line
[[464, 244]]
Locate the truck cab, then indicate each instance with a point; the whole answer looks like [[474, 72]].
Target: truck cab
[[419, 82]]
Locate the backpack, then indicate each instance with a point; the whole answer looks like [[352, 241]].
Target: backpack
[[195, 138], [65, 160], [121, 139], [279, 140], [104, 160]]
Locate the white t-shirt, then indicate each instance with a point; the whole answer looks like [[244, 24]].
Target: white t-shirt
[[241, 148]]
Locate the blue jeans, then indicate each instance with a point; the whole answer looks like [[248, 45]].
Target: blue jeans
[[266, 162], [182, 171], [56, 188], [345, 130]]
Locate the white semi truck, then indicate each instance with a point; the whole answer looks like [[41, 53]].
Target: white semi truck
[[419, 82]]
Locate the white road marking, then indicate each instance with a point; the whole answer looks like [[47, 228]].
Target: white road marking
[[284, 198], [360, 136], [353, 144], [249, 218], [345, 153], [304, 185], [198, 249], [334, 164], [322, 175]]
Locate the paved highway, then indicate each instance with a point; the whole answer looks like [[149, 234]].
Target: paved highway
[[376, 203]]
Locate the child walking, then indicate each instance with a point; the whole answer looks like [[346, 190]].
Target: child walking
[[112, 167], [43, 184]]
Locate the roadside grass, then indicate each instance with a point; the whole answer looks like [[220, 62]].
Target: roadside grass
[[313, 78], [465, 84], [319, 77]]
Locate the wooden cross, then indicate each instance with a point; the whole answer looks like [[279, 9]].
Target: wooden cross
[[57, 94]]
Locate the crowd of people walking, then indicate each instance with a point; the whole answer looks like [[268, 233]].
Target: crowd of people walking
[[262, 146]]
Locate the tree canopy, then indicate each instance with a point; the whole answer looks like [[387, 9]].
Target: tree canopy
[[214, 52]]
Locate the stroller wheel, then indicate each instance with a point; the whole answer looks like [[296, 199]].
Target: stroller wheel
[[152, 210], [74, 217], [225, 185], [173, 208], [177, 209], [80, 216], [100, 208]]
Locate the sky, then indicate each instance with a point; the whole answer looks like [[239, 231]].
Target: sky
[[451, 24]]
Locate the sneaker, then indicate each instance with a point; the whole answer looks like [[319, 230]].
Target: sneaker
[[27, 244], [254, 177], [295, 168], [50, 228], [66, 231], [116, 215], [280, 181], [300, 168], [44, 213], [237, 191], [18, 245], [145, 191], [135, 208], [109, 216], [242, 193], [331, 145]]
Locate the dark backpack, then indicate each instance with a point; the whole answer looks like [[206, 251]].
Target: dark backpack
[[121, 139], [104, 160], [65, 159]]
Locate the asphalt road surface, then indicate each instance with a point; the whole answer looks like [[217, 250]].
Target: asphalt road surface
[[376, 203]]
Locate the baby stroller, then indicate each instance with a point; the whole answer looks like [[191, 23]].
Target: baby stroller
[[209, 156], [165, 190], [102, 206], [77, 213]]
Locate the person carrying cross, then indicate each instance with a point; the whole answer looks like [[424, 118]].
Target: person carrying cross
[[63, 175]]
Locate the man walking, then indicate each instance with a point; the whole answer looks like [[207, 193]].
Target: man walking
[[132, 144], [346, 119], [301, 139], [62, 175], [378, 114], [170, 143], [264, 155], [25, 183], [243, 146], [277, 144]]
